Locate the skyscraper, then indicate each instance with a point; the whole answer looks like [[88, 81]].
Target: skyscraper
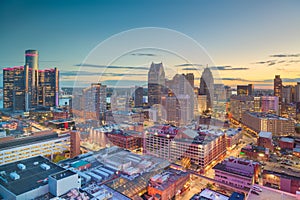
[[245, 89], [156, 83], [278, 88], [207, 86], [138, 97], [31, 65], [26, 87], [92, 103], [297, 92]]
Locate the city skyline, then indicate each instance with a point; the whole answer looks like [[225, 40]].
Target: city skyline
[[67, 36]]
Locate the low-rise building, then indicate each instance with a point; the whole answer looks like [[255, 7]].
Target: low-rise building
[[286, 143], [166, 185], [282, 178], [237, 172], [265, 140], [233, 137], [33, 177], [256, 152]]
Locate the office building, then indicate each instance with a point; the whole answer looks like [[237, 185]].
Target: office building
[[199, 147], [207, 86], [33, 177], [278, 89], [156, 83], [247, 90], [202, 103], [297, 92], [237, 172], [275, 124], [74, 143], [91, 102], [138, 97], [129, 139], [239, 105], [171, 112], [270, 104], [288, 94], [26, 87], [46, 145]]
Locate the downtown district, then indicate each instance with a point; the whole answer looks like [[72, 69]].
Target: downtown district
[[171, 140]]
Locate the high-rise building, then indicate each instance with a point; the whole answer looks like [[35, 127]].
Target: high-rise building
[[93, 102], [74, 143], [156, 83], [171, 112], [239, 105], [245, 89], [297, 92], [138, 97], [27, 87], [270, 104], [207, 86], [278, 89], [288, 93]]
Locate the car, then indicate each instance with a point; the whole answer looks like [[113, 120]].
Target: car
[[256, 188], [254, 192]]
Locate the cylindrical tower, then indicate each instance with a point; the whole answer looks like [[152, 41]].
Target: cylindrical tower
[[31, 59]]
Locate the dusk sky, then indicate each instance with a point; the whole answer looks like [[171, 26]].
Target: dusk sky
[[246, 41]]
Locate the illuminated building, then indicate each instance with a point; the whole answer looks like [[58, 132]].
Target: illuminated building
[[246, 90], [278, 89], [156, 83], [239, 105], [237, 172], [47, 145], [278, 126], [138, 97], [26, 87], [270, 104], [200, 147], [207, 86], [166, 185], [265, 140]]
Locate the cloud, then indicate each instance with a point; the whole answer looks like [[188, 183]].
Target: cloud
[[265, 62], [87, 73], [189, 69], [285, 55], [223, 68], [124, 83], [189, 65], [143, 54], [111, 66]]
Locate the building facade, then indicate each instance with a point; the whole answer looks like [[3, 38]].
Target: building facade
[[156, 83], [26, 87]]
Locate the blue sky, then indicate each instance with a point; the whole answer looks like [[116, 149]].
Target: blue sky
[[261, 38]]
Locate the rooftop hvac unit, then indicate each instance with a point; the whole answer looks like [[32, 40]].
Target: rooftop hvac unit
[[45, 166], [14, 176], [21, 166], [35, 163]]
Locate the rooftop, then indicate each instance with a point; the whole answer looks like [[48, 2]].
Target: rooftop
[[282, 171], [168, 177], [31, 177], [27, 140], [264, 134], [263, 115], [208, 194], [289, 140]]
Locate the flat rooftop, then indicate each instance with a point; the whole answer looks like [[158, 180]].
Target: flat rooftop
[[31, 177], [270, 193], [208, 194], [168, 177], [27, 140], [264, 134], [263, 115], [283, 171]]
